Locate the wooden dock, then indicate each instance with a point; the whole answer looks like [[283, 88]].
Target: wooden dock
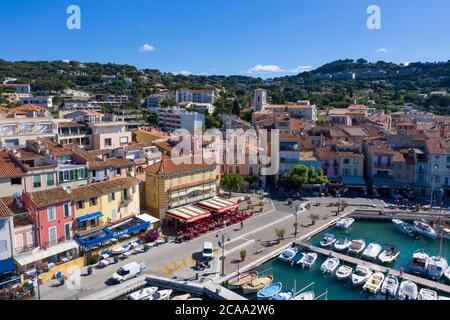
[[389, 215], [375, 267]]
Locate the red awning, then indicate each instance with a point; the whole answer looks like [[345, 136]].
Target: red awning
[[188, 213], [218, 205]]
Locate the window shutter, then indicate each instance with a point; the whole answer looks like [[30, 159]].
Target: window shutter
[[61, 176], [76, 174], [72, 175]]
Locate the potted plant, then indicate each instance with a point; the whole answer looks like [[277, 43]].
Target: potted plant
[[243, 255], [166, 239], [314, 218], [146, 247], [89, 270], [280, 234]]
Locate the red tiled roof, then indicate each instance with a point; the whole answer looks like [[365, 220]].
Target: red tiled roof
[[168, 166], [8, 168], [50, 197]]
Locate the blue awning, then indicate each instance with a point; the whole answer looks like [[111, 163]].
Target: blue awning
[[7, 265], [90, 216]]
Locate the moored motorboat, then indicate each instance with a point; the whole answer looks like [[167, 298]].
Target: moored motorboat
[[446, 233], [407, 291], [419, 263], [344, 272], [427, 294], [241, 279], [447, 274], [425, 229], [296, 260], [437, 265], [284, 295], [390, 285], [120, 249], [257, 284], [345, 223], [308, 260], [374, 283], [404, 227], [269, 291], [160, 295], [356, 247], [389, 255], [361, 275], [288, 254], [342, 244], [309, 295], [372, 251], [142, 294], [330, 265], [328, 240]]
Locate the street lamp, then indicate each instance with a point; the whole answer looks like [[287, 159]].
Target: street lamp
[[296, 219], [222, 244], [338, 193]]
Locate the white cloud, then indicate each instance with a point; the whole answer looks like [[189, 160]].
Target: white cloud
[[381, 50], [185, 73], [300, 69], [147, 48], [267, 69], [66, 61]]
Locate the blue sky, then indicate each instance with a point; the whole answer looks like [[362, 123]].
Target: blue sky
[[225, 36]]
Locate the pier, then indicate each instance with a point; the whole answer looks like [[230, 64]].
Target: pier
[[402, 215], [375, 267]]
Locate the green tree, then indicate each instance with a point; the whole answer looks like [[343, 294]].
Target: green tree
[[232, 181], [168, 103], [236, 108]]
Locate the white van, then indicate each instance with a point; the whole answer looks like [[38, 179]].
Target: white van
[[128, 271], [208, 251]]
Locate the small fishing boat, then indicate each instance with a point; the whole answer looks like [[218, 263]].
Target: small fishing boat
[[342, 244], [425, 229], [373, 285], [407, 291], [182, 297], [160, 295], [288, 254], [390, 285], [296, 260], [427, 294], [356, 247], [142, 294], [437, 266], [121, 249], [308, 260], [372, 251], [269, 291], [284, 295], [345, 223], [309, 295], [344, 272], [389, 255], [257, 284], [404, 227], [330, 265], [419, 263], [447, 274], [361, 275], [241, 279], [446, 233], [328, 240]]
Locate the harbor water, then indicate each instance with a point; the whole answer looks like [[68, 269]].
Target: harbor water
[[383, 233]]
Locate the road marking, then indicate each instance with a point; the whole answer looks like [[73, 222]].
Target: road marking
[[184, 263], [175, 266], [167, 270]]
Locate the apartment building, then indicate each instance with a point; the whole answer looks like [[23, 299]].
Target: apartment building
[[109, 135], [14, 132], [41, 101], [198, 96], [170, 119]]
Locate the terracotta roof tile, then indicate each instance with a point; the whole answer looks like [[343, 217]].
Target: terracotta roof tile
[[50, 197], [5, 212], [8, 168], [168, 166], [102, 188]]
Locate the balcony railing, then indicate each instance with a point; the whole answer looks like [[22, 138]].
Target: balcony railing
[[383, 165], [49, 244], [383, 177]]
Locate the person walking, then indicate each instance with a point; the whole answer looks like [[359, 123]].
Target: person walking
[[242, 225]]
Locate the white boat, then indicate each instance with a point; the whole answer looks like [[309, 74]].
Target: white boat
[[437, 266], [344, 272], [342, 244], [296, 260], [447, 274], [407, 291], [356, 247], [328, 240], [446, 233], [121, 249], [308, 260], [372, 251], [142, 294], [389, 255], [160, 295], [241, 279], [345, 223], [361, 275], [425, 229], [183, 297], [373, 285], [309, 295], [419, 263], [257, 284], [427, 294], [390, 285], [288, 254], [404, 227], [443, 298], [330, 265]]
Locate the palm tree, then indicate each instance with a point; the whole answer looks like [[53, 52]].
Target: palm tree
[[280, 234]]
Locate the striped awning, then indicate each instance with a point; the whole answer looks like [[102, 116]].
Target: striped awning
[[218, 205], [188, 213]]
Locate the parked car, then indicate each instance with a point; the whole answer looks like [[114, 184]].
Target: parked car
[[127, 272]]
